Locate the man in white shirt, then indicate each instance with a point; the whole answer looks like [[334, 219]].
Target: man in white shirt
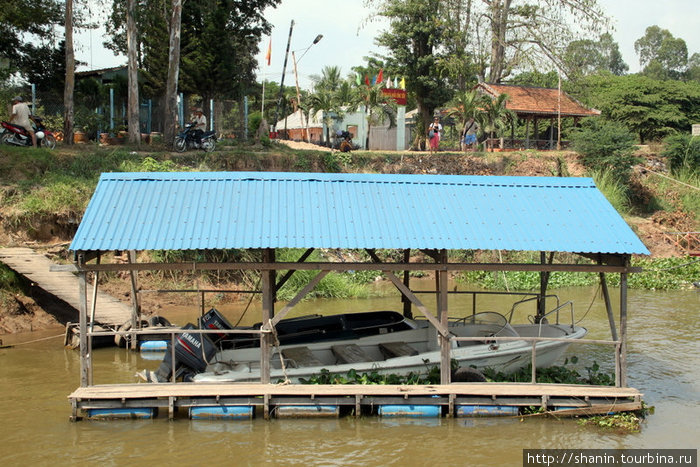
[[200, 124], [20, 117]]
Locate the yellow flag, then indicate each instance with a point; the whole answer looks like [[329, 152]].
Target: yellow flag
[[402, 84]]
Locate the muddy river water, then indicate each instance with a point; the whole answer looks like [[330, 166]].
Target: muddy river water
[[36, 378]]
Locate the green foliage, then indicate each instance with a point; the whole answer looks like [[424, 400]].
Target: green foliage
[[605, 146], [682, 151], [652, 109], [334, 285], [353, 377], [662, 55], [623, 421], [149, 164], [554, 374], [614, 191]]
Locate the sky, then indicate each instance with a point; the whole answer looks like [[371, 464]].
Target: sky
[[348, 36]]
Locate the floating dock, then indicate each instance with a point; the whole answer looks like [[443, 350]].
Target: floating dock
[[273, 400]]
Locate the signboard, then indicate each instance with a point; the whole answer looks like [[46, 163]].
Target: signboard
[[399, 95]]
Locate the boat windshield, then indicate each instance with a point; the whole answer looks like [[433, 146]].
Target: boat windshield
[[495, 322]]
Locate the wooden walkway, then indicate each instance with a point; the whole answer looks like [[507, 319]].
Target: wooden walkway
[[64, 285], [574, 399]]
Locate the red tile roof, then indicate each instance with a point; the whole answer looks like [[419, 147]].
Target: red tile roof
[[525, 100]]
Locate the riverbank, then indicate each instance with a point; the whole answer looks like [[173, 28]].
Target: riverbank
[[43, 195]]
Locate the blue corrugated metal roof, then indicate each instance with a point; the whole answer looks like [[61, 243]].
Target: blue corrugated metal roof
[[207, 210]]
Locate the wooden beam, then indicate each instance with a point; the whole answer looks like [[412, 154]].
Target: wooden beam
[[407, 282], [331, 266], [429, 316], [608, 306], [623, 330], [443, 315], [84, 355], [135, 308], [268, 312], [291, 272], [299, 296]]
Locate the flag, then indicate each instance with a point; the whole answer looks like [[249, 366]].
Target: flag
[[268, 55], [380, 76], [402, 84], [396, 82], [374, 81], [388, 82], [358, 80], [367, 80]]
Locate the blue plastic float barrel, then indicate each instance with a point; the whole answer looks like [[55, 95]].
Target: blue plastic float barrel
[[125, 413], [222, 412], [486, 411], [413, 411], [154, 346], [307, 411]]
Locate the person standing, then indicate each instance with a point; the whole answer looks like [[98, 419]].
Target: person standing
[[200, 125], [469, 135], [21, 117], [434, 134]]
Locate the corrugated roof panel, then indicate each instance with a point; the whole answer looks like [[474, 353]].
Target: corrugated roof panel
[[197, 210]]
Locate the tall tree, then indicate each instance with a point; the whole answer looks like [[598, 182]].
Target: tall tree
[[414, 39], [584, 57], [70, 77], [170, 119], [20, 17], [662, 55], [134, 106]]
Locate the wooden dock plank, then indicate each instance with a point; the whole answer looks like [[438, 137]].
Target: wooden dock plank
[[111, 391], [64, 285]]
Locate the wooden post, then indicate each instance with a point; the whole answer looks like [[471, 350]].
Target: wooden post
[[84, 355], [268, 312], [623, 326], [135, 312], [407, 312], [443, 315], [527, 133], [541, 300], [608, 305]]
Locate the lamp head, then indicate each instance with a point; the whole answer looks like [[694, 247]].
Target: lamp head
[[318, 38]]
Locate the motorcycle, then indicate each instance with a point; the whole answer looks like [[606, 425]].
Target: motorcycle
[[343, 141], [186, 139], [17, 136]]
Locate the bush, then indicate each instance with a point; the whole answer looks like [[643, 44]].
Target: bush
[[606, 145], [682, 153]]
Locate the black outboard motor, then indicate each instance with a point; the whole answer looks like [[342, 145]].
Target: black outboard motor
[[193, 351]]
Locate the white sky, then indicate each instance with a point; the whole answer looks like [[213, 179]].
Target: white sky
[[347, 39]]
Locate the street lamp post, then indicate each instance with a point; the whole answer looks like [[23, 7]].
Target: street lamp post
[[296, 78]]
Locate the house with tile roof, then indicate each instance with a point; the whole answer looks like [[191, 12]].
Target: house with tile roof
[[534, 105]]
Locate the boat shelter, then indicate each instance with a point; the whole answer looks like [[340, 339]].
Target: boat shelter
[[266, 211], [536, 104]]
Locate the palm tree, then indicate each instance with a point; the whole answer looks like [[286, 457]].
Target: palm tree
[[467, 105], [495, 117], [329, 80], [325, 101]]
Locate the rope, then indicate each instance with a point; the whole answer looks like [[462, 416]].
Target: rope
[[248, 305], [279, 352], [590, 305], [35, 340], [672, 179]]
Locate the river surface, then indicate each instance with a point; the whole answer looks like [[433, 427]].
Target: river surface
[[37, 377]]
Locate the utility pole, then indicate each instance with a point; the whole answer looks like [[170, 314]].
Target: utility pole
[[280, 96]]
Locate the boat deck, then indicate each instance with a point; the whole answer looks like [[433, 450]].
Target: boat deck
[[565, 399]]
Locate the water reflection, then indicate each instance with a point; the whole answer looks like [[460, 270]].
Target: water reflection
[[663, 364]]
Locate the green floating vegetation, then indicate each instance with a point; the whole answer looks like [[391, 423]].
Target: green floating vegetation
[[630, 422], [554, 374]]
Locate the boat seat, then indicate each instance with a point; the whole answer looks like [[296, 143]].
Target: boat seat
[[350, 353], [397, 349], [301, 356]]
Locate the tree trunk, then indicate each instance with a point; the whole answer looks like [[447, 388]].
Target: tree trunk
[[70, 77], [499, 23], [134, 124], [170, 120]]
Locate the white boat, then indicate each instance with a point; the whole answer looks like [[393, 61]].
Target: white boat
[[402, 352]]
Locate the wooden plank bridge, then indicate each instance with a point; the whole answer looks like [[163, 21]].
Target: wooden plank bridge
[[35, 266]]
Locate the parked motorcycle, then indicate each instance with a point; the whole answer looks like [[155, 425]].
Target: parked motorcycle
[[17, 136], [186, 139]]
